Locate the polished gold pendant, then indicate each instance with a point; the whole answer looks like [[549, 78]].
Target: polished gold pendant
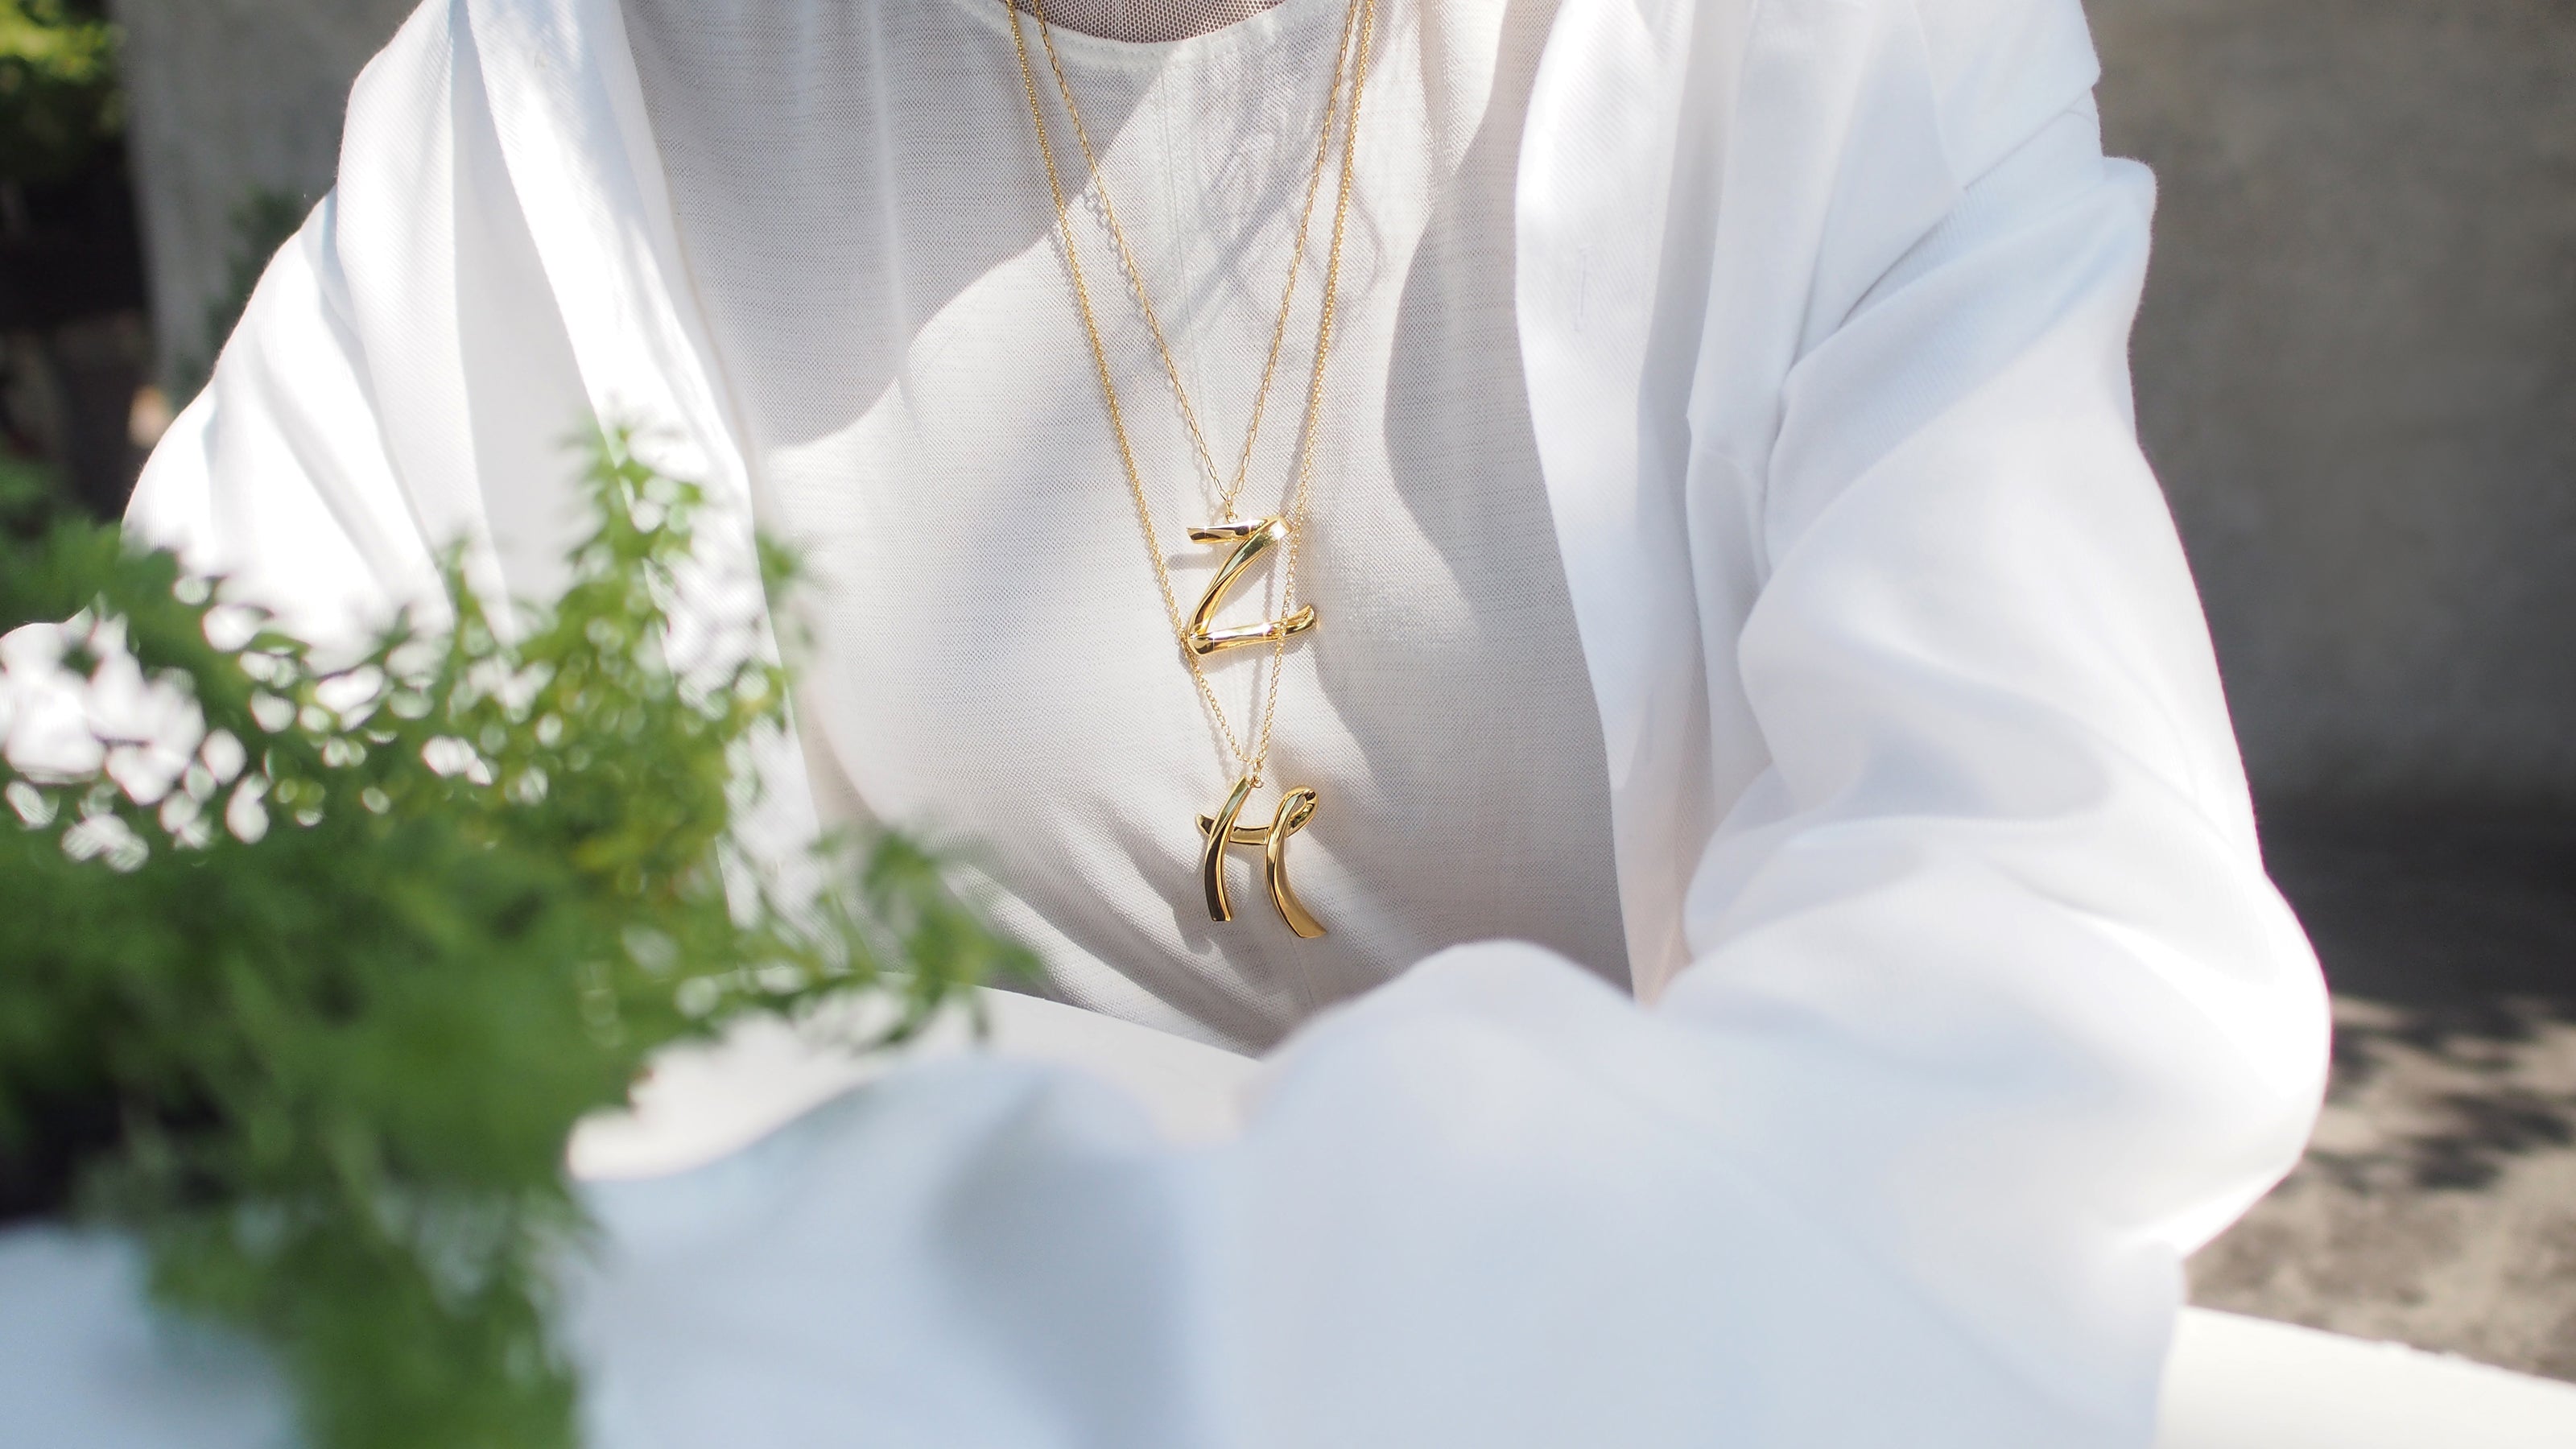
[[1251, 539], [1221, 832]]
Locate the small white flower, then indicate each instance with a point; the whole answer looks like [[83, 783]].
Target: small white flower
[[34, 807], [47, 734], [151, 727], [449, 756], [223, 756], [33, 649], [351, 696], [108, 837], [230, 626], [247, 816], [273, 714], [179, 812]]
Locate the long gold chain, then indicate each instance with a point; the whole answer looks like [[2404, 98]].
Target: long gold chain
[[1358, 27], [1228, 490]]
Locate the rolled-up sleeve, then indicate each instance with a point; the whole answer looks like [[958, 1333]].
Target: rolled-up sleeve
[[1998, 984]]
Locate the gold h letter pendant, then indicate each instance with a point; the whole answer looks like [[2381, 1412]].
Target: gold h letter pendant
[[1295, 809], [1251, 538]]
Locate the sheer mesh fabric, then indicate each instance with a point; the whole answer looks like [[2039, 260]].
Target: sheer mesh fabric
[[1150, 22]]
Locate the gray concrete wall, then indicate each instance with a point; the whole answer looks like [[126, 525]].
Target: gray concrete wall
[[2356, 366], [230, 98], [2357, 373]]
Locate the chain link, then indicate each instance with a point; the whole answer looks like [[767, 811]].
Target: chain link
[[1350, 60], [1227, 491]]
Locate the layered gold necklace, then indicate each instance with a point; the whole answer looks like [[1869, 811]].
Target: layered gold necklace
[[1198, 633]]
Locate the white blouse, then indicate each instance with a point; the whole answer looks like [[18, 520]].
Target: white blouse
[[1964, 1009]]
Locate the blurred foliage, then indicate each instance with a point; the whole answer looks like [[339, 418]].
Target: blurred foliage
[[311, 969], [30, 496], [264, 220], [59, 99]]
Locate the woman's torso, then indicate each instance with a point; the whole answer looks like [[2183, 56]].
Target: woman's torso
[[869, 232]]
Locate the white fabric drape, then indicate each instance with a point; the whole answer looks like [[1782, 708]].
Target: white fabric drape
[[1974, 1011], [921, 420]]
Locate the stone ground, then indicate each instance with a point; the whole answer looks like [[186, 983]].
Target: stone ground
[[2437, 1205]]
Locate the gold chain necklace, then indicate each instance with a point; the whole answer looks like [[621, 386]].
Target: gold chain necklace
[[1228, 490], [1198, 635]]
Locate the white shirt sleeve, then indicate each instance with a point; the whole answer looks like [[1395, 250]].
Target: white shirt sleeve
[[2001, 990], [401, 383], [277, 475]]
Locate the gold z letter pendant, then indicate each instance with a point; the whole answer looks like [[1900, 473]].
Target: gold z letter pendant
[[1251, 538], [1295, 809]]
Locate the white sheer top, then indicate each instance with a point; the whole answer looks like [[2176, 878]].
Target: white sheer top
[[865, 219]]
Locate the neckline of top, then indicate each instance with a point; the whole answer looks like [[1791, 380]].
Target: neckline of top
[[1081, 48]]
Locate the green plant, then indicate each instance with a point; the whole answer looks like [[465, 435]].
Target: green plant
[[59, 99], [310, 969], [29, 496]]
